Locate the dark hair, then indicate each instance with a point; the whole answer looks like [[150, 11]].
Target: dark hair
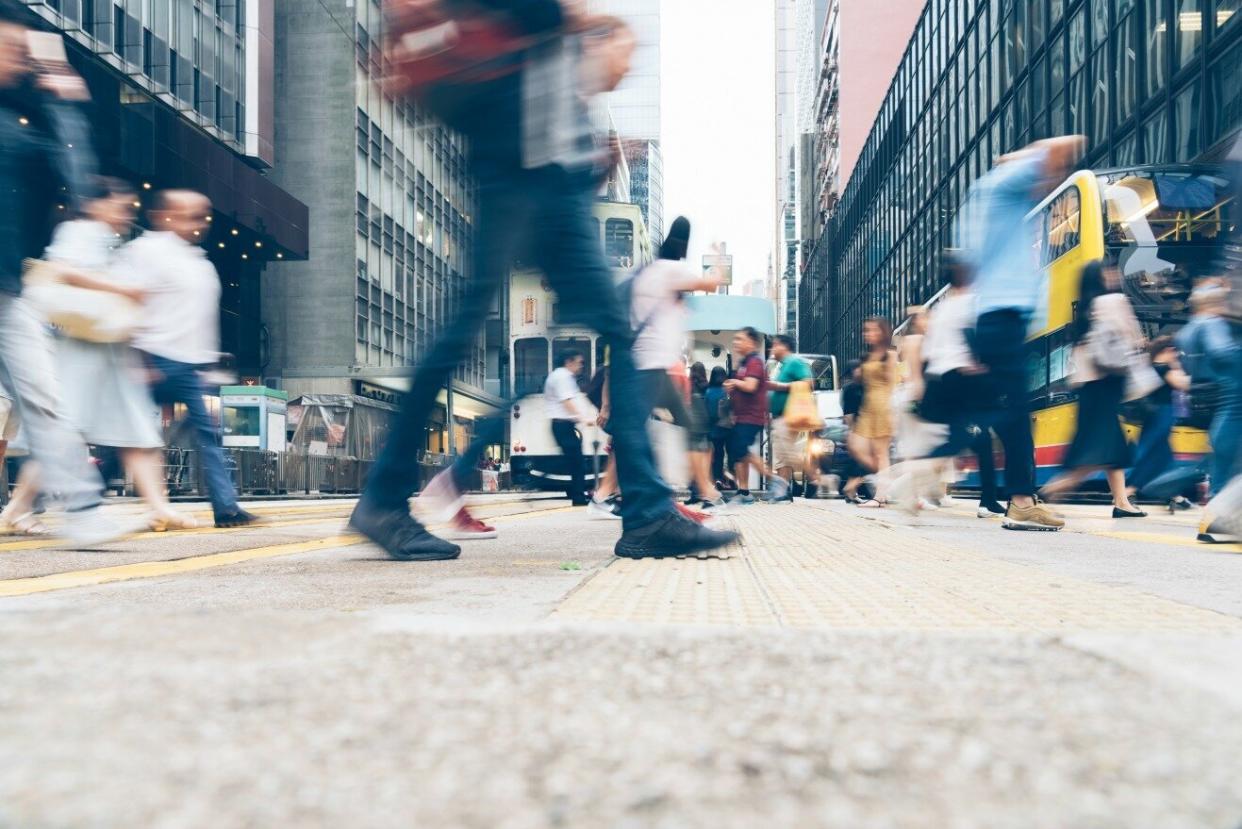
[[886, 340], [954, 269], [698, 377], [1091, 286], [851, 367], [1159, 344], [677, 241], [787, 341], [718, 377], [749, 331], [104, 187], [568, 356]]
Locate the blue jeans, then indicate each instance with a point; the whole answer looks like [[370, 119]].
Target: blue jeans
[[544, 215], [1226, 436], [1154, 456], [181, 383]]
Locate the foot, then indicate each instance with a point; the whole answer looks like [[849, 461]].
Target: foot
[[602, 511], [27, 524], [466, 528], [717, 507], [90, 527], [1213, 530], [1132, 512], [403, 538], [778, 490], [673, 535], [440, 500], [989, 508], [165, 521], [742, 500], [240, 518], [1036, 517], [693, 514]]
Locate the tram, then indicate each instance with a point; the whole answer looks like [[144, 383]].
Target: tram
[[1161, 225]]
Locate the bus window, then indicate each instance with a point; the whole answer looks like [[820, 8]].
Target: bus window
[[619, 243], [530, 365], [600, 352], [562, 344], [1062, 226], [1147, 208]]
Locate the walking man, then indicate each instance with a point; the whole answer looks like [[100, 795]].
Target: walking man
[[535, 164], [562, 398], [180, 333], [1010, 291], [748, 392], [788, 446]]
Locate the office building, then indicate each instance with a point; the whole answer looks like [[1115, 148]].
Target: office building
[[1146, 82], [391, 204], [785, 242], [183, 96]]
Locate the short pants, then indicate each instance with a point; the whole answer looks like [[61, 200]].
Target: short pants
[[741, 438]]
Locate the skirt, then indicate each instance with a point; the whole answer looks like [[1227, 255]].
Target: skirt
[[1100, 441], [105, 395]]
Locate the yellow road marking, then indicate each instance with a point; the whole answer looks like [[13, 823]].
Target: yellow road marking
[[155, 569], [53, 543], [1178, 540]]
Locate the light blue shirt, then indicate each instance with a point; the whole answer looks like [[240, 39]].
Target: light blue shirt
[[999, 241]]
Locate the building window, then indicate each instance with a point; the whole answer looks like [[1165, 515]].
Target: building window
[[1227, 13], [1125, 50], [619, 243], [1226, 92], [1189, 30], [1157, 49], [1156, 138], [1186, 123]]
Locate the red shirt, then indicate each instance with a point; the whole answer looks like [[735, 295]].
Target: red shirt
[[751, 407]]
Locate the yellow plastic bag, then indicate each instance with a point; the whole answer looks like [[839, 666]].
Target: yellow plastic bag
[[801, 413]]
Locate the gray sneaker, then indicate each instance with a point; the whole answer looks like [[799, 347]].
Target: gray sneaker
[[742, 501], [90, 527]]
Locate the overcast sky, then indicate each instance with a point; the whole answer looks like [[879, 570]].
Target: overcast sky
[[718, 126]]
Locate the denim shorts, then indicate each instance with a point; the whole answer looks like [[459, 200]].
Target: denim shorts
[[741, 439]]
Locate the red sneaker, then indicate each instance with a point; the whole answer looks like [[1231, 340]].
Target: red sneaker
[[692, 514], [466, 527]]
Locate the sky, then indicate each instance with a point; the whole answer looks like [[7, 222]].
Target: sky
[[718, 131]]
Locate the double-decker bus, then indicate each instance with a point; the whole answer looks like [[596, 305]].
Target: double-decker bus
[[536, 337]]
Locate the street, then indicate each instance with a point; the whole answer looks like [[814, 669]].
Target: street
[[845, 667]]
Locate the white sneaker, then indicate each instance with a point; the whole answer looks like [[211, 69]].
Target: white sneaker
[[601, 511], [928, 505], [90, 527], [440, 500], [778, 489]]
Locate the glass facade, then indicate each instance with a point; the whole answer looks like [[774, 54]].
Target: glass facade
[[189, 53], [646, 164], [1147, 81], [413, 219]]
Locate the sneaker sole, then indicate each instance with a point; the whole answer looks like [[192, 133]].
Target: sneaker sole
[[400, 557], [1218, 538], [468, 536], [695, 551], [1030, 527]]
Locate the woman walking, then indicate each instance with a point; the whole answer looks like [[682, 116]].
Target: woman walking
[[1106, 337], [873, 430], [714, 398], [1154, 455], [104, 390]]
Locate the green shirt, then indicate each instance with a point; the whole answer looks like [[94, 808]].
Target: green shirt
[[792, 370]]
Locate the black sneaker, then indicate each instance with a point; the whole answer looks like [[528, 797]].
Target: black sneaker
[[241, 518], [403, 538], [673, 535]]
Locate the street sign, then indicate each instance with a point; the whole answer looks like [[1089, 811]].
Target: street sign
[[722, 264]]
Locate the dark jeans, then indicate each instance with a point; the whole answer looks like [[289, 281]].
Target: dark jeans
[[1154, 456], [545, 215], [968, 428], [569, 439], [1226, 437], [1000, 344], [720, 439], [181, 383]]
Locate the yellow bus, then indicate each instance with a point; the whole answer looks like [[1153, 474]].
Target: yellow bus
[[1161, 226]]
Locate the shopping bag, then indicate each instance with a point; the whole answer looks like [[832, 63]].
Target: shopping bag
[[801, 413], [80, 313]]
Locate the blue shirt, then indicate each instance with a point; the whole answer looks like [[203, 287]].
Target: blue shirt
[[1000, 243], [1212, 354]]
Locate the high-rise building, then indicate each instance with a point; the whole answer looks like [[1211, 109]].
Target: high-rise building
[[392, 206], [635, 107], [785, 243], [183, 96], [1147, 83]]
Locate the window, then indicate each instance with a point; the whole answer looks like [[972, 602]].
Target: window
[[619, 243], [562, 344], [1099, 97], [530, 365], [1227, 13], [1186, 123], [1062, 226], [1189, 30], [1125, 47], [1156, 138], [1056, 10], [1157, 39], [1226, 92], [1166, 207]]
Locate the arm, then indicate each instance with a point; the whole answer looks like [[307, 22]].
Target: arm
[[605, 409], [83, 279]]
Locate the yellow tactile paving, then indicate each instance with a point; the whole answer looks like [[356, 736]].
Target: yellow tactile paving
[[807, 567]]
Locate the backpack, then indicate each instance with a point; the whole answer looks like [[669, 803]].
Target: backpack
[[444, 52]]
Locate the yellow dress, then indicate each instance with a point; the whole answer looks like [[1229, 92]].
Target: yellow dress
[[875, 419]]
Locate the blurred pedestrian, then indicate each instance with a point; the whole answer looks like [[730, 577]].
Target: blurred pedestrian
[[1106, 338], [43, 154], [789, 449], [700, 439], [856, 471], [536, 165], [1213, 358], [180, 333], [567, 413], [748, 398], [1012, 293], [1154, 455], [874, 426], [716, 399]]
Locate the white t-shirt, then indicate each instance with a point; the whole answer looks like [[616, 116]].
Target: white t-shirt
[[84, 244], [561, 385], [945, 347], [662, 341], [182, 308]]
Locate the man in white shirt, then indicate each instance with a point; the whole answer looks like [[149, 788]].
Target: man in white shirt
[[561, 398], [180, 333]]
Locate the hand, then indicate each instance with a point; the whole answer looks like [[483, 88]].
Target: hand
[[730, 385], [604, 415]]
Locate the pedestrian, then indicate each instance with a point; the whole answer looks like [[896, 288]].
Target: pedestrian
[[605, 500], [700, 440], [954, 385], [789, 450], [716, 400], [874, 426], [748, 398], [917, 478], [659, 314], [535, 165], [179, 337], [105, 393], [1154, 455], [43, 153], [1106, 337], [856, 471], [1213, 358], [567, 413], [1011, 292]]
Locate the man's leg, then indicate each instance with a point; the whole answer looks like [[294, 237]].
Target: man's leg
[[26, 354], [570, 444]]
